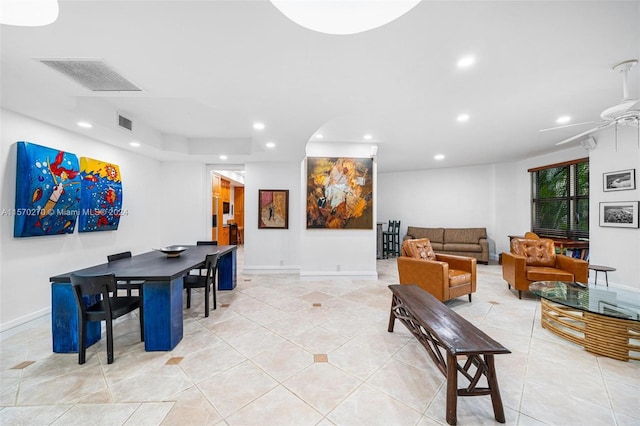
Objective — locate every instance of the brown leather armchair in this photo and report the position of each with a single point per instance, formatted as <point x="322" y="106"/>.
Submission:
<point x="442" y="275"/>
<point x="536" y="260"/>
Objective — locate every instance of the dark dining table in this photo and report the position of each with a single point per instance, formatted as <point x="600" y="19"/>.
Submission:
<point x="162" y="294"/>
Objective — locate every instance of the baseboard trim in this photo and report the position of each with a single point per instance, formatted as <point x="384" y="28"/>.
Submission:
<point x="255" y="270"/>
<point x="19" y="324"/>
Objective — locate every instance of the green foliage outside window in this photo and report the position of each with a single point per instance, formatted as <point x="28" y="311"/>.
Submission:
<point x="560" y="202"/>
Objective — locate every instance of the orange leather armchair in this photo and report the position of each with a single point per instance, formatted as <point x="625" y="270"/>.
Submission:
<point x="536" y="260"/>
<point x="442" y="275"/>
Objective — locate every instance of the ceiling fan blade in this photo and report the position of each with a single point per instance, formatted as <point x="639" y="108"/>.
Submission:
<point x="570" y="125"/>
<point x="580" y="135"/>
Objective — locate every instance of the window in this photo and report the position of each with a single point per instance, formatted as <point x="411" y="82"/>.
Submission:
<point x="560" y="200"/>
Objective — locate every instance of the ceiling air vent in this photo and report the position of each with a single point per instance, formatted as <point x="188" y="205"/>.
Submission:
<point x="93" y="74"/>
<point x="125" y="123"/>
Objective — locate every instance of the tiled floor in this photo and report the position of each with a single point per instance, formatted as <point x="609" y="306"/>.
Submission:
<point x="284" y="350"/>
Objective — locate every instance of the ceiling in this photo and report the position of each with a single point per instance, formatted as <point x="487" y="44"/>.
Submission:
<point x="209" y="69"/>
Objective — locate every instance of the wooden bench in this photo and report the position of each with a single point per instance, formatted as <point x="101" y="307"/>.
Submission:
<point x="446" y="335"/>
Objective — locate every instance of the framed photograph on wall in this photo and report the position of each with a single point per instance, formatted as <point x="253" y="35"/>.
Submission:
<point x="619" y="181"/>
<point x="619" y="214"/>
<point x="273" y="209"/>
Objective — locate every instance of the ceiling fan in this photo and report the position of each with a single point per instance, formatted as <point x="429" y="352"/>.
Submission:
<point x="626" y="112"/>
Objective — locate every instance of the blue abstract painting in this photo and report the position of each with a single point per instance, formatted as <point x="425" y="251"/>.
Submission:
<point x="101" y="200"/>
<point x="47" y="191"/>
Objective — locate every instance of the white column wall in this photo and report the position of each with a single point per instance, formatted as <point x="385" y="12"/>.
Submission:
<point x="271" y="250"/>
<point x="185" y="199"/>
<point x="338" y="252"/>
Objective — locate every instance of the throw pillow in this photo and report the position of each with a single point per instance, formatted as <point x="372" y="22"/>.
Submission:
<point x="419" y="249"/>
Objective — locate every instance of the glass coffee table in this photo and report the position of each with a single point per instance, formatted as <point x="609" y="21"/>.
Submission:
<point x="603" y="320"/>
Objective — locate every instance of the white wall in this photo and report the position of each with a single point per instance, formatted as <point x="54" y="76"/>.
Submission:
<point x="461" y="197"/>
<point x="163" y="202"/>
<point x="615" y="247"/>
<point x="271" y="250"/>
<point x="298" y="250"/>
<point x="332" y="251"/>
<point x="185" y="201"/>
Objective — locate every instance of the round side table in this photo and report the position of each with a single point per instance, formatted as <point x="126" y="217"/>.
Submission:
<point x="600" y="268"/>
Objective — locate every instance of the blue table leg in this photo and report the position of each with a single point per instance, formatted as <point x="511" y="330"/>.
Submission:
<point x="64" y="320"/>
<point x="227" y="274"/>
<point x="162" y="314"/>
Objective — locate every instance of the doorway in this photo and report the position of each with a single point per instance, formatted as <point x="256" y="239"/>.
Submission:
<point x="227" y="206"/>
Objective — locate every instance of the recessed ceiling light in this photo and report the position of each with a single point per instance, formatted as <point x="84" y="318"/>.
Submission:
<point x="319" y="136"/>
<point x="270" y="145"/>
<point x="465" y="62"/>
<point x="367" y="137"/>
<point x="85" y="124"/>
<point x="258" y="126"/>
<point x="223" y="157"/>
<point x="439" y="157"/>
<point x="134" y="144"/>
<point x="463" y="117"/>
<point x="563" y="120"/>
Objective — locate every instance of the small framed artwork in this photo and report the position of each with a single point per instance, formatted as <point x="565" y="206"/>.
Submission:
<point x="273" y="209"/>
<point x="619" y="181"/>
<point x="619" y="214"/>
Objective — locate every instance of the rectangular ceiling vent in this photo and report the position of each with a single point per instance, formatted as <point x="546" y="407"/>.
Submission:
<point x="93" y="74"/>
<point x="125" y="123"/>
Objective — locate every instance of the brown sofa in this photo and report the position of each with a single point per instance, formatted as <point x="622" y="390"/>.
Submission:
<point x="444" y="276"/>
<point x="470" y="242"/>
<point x="536" y="260"/>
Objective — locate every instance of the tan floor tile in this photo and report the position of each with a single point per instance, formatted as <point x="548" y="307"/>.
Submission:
<point x="32" y="415"/>
<point x="320" y="358"/>
<point x="267" y="315"/>
<point x="369" y="406"/>
<point x="23" y="364"/>
<point x="625" y="398"/>
<point x="545" y="380"/>
<point x="160" y="384"/>
<point x="383" y="341"/>
<point x="322" y="386"/>
<point x="344" y="325"/>
<point x="225" y="392"/>
<point x="357" y="360"/>
<point x="546" y="401"/>
<point x="107" y="413"/>
<point x="150" y="413"/>
<point x="216" y="358"/>
<point x="280" y="407"/>
<point x="408" y="384"/>
<point x="191" y="407"/>
<point x="283" y="360"/>
<point x="316" y="297"/>
<point x="319" y="340"/>
<point x="289" y="327"/>
<point x="254" y="342"/>
<point x="233" y="326"/>
<point x="68" y="388"/>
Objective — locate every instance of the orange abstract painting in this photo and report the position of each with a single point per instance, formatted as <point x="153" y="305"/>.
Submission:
<point x="340" y="193"/>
